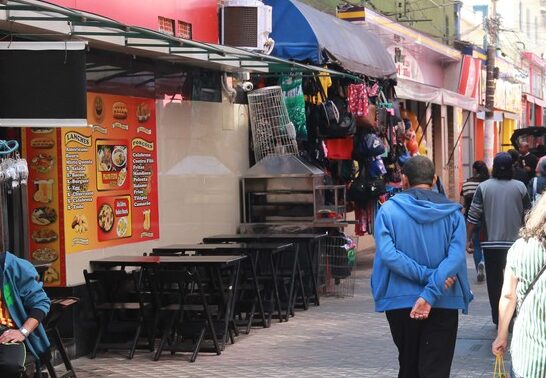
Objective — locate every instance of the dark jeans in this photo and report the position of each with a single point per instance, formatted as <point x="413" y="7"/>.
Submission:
<point x="425" y="347"/>
<point x="495" y="262"/>
<point x="12" y="360"/>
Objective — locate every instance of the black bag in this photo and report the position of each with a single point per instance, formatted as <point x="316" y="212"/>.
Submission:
<point x="376" y="187"/>
<point x="334" y="119"/>
<point x="358" y="192"/>
<point x="367" y="145"/>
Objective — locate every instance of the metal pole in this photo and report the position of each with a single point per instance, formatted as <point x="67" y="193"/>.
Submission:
<point x="489" y="128"/>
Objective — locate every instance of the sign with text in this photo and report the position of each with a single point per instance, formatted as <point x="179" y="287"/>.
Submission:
<point x="110" y="175"/>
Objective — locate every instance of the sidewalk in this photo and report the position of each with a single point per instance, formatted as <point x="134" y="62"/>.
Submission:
<point x="341" y="338"/>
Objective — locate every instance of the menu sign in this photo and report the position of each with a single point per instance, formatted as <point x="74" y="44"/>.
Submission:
<point x="110" y="175"/>
<point x="40" y="147"/>
<point x="93" y="188"/>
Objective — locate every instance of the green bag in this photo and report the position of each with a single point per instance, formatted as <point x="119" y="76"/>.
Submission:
<point x="295" y="103"/>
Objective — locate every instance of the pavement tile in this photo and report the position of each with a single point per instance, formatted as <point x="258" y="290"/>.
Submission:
<point x="343" y="337"/>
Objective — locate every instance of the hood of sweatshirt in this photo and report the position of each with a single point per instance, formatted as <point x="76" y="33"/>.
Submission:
<point x="425" y="206"/>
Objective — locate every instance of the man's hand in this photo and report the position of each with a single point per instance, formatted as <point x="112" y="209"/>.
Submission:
<point x="12" y="336"/>
<point x="420" y="310"/>
<point x="499" y="346"/>
<point x="449" y="282"/>
<point x="470" y="247"/>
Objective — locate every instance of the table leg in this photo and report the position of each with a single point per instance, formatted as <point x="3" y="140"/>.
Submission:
<point x="311" y="251"/>
<point x="274" y="268"/>
<point x="257" y="288"/>
<point x="292" y="281"/>
<point x="208" y="321"/>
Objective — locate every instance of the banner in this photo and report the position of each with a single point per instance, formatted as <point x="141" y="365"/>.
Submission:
<point x="469" y="79"/>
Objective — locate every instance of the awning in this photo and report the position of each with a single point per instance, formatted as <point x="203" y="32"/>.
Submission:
<point x="535" y="100"/>
<point x="412" y="90"/>
<point x="305" y="34"/>
<point x="36" y="20"/>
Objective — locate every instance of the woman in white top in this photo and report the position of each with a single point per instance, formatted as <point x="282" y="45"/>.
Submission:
<point x="524" y="265"/>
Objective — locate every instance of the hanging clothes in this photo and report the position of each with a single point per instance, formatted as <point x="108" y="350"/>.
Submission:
<point x="358" y="100"/>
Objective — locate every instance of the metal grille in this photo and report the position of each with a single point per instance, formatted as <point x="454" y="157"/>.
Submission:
<point x="241" y="26"/>
<point x="272" y="131"/>
<point x="166" y="25"/>
<point x="184" y="29"/>
<point x="337" y="269"/>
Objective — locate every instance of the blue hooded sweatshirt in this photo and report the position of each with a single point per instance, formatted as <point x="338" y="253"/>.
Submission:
<point x="420" y="241"/>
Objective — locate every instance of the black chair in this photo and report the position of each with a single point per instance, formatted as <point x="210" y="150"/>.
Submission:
<point x="118" y="306"/>
<point x="180" y="296"/>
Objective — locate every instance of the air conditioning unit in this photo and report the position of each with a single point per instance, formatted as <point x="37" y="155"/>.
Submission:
<point x="246" y="24"/>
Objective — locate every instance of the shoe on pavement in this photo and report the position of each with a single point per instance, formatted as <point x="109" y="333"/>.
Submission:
<point x="481" y="272"/>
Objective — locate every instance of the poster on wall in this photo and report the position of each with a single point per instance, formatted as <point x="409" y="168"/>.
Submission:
<point x="40" y="147"/>
<point x="95" y="187"/>
<point x="110" y="175"/>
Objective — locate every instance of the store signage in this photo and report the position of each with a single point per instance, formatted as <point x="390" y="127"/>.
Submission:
<point x="407" y="66"/>
<point x="469" y="79"/>
<point x="351" y="13"/>
<point x="94" y="188"/>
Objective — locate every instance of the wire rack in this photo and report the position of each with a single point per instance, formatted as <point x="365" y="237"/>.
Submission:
<point x="337" y="269"/>
<point x="272" y="131"/>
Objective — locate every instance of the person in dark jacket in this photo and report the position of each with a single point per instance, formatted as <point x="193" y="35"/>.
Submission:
<point x="23" y="306"/>
<point x="528" y="160"/>
<point x="499" y="205"/>
<point x="538" y="184"/>
<point x="519" y="173"/>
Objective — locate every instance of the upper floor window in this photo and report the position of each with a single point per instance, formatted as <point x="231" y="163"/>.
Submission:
<point x="166" y="25"/>
<point x="184" y="30"/>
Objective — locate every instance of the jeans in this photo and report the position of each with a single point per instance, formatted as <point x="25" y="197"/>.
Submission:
<point x="478" y="253"/>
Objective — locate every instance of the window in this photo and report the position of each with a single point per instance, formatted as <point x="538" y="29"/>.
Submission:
<point x="184" y="30"/>
<point x="520" y="16"/>
<point x="528" y="14"/>
<point x="166" y="25"/>
<point x="535" y="26"/>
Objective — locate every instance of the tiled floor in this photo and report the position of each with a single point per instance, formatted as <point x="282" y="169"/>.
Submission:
<point x="341" y="338"/>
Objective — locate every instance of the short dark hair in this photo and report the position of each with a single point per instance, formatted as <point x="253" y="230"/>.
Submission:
<point x="502" y="174"/>
<point x="419" y="170"/>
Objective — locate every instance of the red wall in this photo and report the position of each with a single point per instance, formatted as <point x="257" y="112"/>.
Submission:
<point x="202" y="14"/>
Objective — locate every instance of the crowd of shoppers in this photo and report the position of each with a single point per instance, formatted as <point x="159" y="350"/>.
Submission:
<point x="419" y="276"/>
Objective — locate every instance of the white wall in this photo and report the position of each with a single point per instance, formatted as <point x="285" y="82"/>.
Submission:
<point x="202" y="152"/>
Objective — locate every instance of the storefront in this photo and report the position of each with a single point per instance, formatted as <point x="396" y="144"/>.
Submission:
<point x="427" y="85"/>
<point x="533" y="90"/>
<point x="160" y="154"/>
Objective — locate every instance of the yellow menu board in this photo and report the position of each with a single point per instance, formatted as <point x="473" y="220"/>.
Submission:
<point x="95" y="187"/>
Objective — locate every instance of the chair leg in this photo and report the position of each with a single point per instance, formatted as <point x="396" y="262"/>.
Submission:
<point x="50" y="369"/>
<point x="164" y="337"/>
<point x="102" y="326"/>
<point x="135" y="341"/>
<point x="62" y="351"/>
<point x="198" y="344"/>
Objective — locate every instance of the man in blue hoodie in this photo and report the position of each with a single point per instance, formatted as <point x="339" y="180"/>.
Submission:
<point x="419" y="275"/>
<point x="23" y="306"/>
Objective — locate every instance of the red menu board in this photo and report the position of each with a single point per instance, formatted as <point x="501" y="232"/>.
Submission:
<point x="94" y="187"/>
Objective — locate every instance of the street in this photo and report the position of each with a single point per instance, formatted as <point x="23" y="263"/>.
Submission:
<point x="343" y="337"/>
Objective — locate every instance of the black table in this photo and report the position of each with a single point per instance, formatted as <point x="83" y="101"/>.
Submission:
<point x="209" y="263"/>
<point x="252" y="251"/>
<point x="305" y="241"/>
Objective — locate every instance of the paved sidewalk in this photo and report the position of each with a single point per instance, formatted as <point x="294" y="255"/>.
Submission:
<point x="341" y="338"/>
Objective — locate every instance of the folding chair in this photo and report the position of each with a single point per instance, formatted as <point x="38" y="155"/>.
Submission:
<point x="110" y="292"/>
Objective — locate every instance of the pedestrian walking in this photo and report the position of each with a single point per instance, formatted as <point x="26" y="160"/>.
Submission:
<point x="498" y="206"/>
<point x="537" y="185"/>
<point x="525" y="288"/>
<point x="419" y="276"/>
<point x="480" y="173"/>
<point x="519" y="172"/>
<point x="528" y="160"/>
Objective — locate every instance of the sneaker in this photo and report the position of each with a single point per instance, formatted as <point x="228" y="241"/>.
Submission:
<point x="481" y="272"/>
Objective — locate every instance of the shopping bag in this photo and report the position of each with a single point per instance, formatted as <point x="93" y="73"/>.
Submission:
<point x="499" y="369"/>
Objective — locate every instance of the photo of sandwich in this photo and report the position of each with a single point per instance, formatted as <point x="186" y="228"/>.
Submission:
<point x="42" y="143"/>
<point x="119" y="110"/>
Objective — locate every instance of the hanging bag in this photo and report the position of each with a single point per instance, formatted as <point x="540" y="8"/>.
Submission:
<point x="334" y="119"/>
<point x="499" y="370"/>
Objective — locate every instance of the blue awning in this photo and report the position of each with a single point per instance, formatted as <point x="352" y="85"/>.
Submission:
<point x="303" y="33"/>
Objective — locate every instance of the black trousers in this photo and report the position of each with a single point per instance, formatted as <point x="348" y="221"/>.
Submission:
<point x="495" y="262"/>
<point x="425" y="347"/>
<point x="12" y="360"/>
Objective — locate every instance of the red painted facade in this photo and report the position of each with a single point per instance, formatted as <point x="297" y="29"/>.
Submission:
<point x="202" y="14"/>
